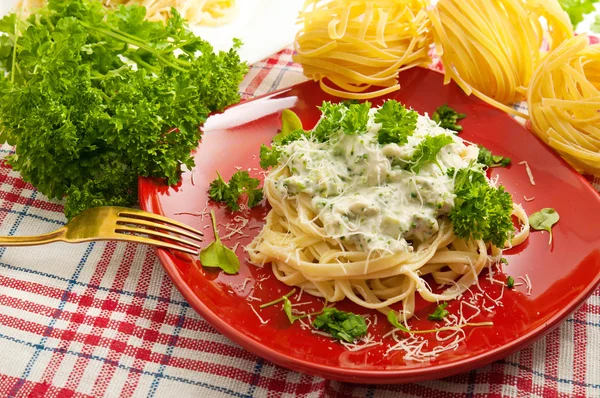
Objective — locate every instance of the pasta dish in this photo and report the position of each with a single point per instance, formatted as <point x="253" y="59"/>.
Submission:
<point x="374" y="202"/>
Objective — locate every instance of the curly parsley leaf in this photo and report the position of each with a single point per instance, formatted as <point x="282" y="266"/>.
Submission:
<point x="487" y="158"/>
<point x="397" y="123"/>
<point x="341" y="325"/>
<point x="330" y="122"/>
<point x="480" y="210"/>
<point x="74" y="108"/>
<point x="440" y="313"/>
<point x="427" y="151"/>
<point x="218" y="255"/>
<point x="576" y="9"/>
<point x="448" y="118"/>
<point x="269" y="157"/>
<point x="355" y="119"/>
<point x="230" y="192"/>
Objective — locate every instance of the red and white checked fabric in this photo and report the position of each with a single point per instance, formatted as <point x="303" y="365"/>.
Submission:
<point x="103" y="319"/>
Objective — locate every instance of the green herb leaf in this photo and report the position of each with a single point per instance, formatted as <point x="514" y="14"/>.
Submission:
<point x="448" y="118"/>
<point x="341" y="325"/>
<point x="439" y="313"/>
<point x="330" y="122"/>
<point x="218" y="255"/>
<point x="480" y="210"/>
<point x="510" y="282"/>
<point x="229" y="193"/>
<point x="488" y="159"/>
<point x="577" y="9"/>
<point x="76" y="111"/>
<point x="397" y="123"/>
<point x="393" y="320"/>
<point x="287" y="308"/>
<point x="504" y="261"/>
<point x="290" y="124"/>
<point x="356" y="118"/>
<point x="427" y="151"/>
<point x="269" y="157"/>
<point x="543" y="220"/>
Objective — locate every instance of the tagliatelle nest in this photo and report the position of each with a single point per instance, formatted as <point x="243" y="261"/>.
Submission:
<point x="352" y="46"/>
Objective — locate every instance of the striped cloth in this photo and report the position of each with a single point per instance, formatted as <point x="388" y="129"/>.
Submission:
<point x="103" y="319"/>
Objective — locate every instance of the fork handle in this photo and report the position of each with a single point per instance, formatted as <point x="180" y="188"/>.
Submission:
<point x="33" y="240"/>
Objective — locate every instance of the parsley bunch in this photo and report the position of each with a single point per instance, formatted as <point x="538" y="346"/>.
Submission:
<point x="86" y="122"/>
<point x="480" y="210"/>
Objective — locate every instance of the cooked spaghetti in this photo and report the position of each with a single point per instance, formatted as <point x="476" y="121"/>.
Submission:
<point x="564" y="99"/>
<point x="350" y="47"/>
<point x="372" y="201"/>
<point x="491" y="48"/>
<point x="196" y="12"/>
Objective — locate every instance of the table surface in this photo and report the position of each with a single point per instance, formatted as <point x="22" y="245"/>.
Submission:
<point x="103" y="319"/>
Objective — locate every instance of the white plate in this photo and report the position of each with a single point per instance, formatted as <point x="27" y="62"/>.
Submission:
<point x="264" y="26"/>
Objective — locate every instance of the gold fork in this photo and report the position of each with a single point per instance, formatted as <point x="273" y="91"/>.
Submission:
<point x="117" y="223"/>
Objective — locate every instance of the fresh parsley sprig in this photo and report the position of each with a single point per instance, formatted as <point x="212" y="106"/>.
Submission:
<point x="448" y="118"/>
<point x="341" y="325"/>
<point x="230" y="192"/>
<point x="427" y="151"/>
<point x="480" y="210"/>
<point x="397" y="123"/>
<point x="487" y="158"/>
<point x="440" y="313"/>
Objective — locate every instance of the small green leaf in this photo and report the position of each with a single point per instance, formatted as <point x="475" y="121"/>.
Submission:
<point x="290" y="122"/>
<point x="393" y="319"/>
<point x="448" y="118"/>
<point x="341" y="325"/>
<point x="287" y="308"/>
<point x="218" y="255"/>
<point x="543" y="220"/>
<point x="504" y="261"/>
<point x="510" y="282"/>
<point x="486" y="157"/>
<point x="439" y="313"/>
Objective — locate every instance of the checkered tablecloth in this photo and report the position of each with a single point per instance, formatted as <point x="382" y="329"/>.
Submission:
<point x="103" y="319"/>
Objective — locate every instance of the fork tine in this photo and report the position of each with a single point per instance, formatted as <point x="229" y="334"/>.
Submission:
<point x="140" y="214"/>
<point x="125" y="228"/>
<point x="158" y="243"/>
<point x="138" y="221"/>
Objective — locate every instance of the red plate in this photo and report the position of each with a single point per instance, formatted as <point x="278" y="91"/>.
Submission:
<point x="562" y="275"/>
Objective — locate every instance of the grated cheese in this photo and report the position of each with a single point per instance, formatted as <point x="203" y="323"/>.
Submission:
<point x="528" y="199"/>
<point x="529" y="173"/>
<point x="259" y="317"/>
